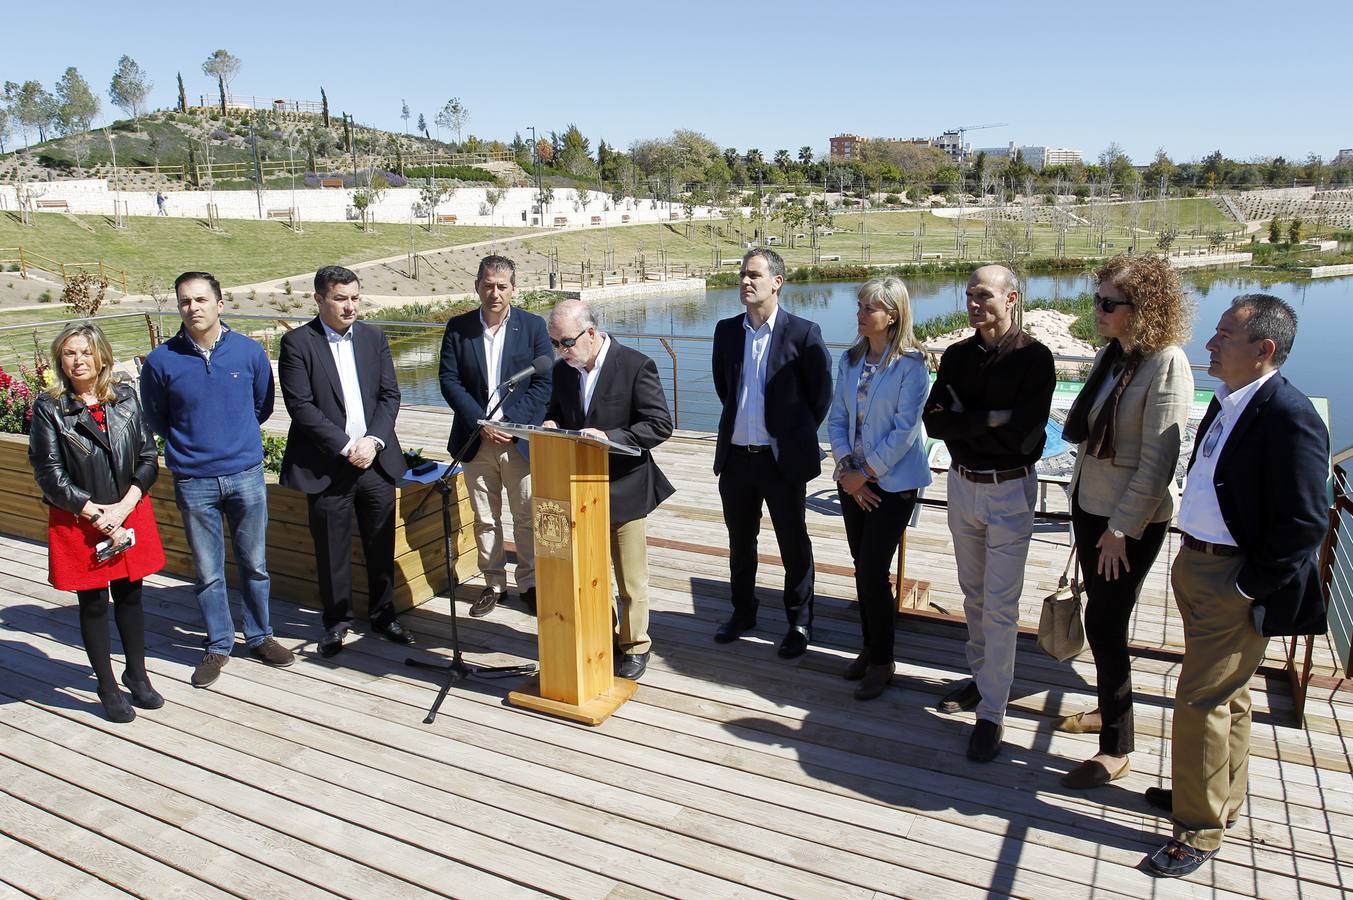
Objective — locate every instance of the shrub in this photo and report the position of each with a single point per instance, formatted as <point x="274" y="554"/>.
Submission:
<point x="219" y="134"/>
<point x="17" y="393"/>
<point x="460" y="173"/>
<point x="892" y="199"/>
<point x="45" y="297"/>
<point x="274" y="447"/>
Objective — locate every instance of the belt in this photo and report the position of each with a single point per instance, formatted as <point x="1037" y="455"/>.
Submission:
<point x="993" y="477"/>
<point x="1210" y="549"/>
<point x="751" y="448"/>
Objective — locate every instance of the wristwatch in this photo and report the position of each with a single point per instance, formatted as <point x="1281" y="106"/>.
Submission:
<point x="1118" y="534"/>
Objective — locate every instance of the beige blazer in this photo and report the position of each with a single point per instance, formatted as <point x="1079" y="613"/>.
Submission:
<point x="1137" y="486"/>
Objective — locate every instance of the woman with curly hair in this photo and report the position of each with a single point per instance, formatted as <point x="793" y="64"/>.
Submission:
<point x="1128" y="423"/>
<point x="94" y="458"/>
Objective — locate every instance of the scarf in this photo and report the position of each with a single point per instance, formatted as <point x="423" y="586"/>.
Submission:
<point x="1099" y="437"/>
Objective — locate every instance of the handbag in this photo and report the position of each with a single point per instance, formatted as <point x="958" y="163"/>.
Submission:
<point x="1061" y="633"/>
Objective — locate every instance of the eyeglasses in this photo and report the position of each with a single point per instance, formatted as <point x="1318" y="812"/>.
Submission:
<point x="1109" y="304"/>
<point x="567" y="343"/>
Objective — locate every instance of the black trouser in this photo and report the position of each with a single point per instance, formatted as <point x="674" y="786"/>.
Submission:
<point x="373" y="498"/>
<point x="1108" y="611"/>
<point x="873" y="536"/>
<point x="131" y="627"/>
<point x="748" y="480"/>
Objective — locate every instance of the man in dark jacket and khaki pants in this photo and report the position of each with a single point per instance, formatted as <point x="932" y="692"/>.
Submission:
<point x="1254" y="513"/>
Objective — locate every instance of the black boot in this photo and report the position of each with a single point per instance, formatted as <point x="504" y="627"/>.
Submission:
<point x="143" y="695"/>
<point x="116" y="707"/>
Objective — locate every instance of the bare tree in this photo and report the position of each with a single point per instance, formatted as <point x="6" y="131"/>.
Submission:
<point x="494" y="197"/>
<point x="405" y="114"/>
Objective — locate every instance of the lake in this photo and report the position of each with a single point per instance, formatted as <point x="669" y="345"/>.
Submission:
<point x="1313" y="366"/>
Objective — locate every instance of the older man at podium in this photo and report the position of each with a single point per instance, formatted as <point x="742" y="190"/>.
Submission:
<point x="606" y="389"/>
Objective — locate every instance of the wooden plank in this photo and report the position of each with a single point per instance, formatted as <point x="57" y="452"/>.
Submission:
<point x="31" y="873"/>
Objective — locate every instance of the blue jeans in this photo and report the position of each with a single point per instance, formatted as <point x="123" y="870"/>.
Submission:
<point x="243" y="499"/>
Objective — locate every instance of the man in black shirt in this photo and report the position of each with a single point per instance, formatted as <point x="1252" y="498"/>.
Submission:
<point x="990" y="406"/>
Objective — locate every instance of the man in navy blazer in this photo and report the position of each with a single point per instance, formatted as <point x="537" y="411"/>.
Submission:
<point x="609" y="390"/>
<point x="338" y="383"/>
<point x="480" y="350"/>
<point x="772" y="373"/>
<point x="1253" y="514"/>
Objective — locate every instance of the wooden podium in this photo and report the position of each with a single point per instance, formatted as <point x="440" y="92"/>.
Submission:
<point x="571" y="514"/>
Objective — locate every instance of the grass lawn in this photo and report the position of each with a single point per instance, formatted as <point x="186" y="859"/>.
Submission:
<point x="891" y="238"/>
<point x="246" y="253"/>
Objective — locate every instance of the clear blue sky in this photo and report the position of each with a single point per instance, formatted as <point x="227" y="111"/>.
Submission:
<point x="1250" y="78"/>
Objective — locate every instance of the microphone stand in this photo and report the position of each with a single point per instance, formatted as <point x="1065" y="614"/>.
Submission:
<point x="457" y="669"/>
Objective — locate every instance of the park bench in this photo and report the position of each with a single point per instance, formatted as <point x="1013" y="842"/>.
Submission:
<point x="54" y="204"/>
<point x="281" y="214"/>
<point x="560" y="221"/>
<point x="674" y="215"/>
<point x="732" y="261"/>
<point x="446" y="218"/>
<point x="596" y="220"/>
<point x="830" y="257"/>
<point x="624" y="220"/>
<point x="932" y="256"/>
<point x="772" y="240"/>
<point x="331" y="182"/>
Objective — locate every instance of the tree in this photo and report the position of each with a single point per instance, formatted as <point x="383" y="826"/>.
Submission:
<point x="31" y="107"/>
<point x="545" y="196"/>
<point x="1116" y="165"/>
<point x="405" y="115"/>
<point x="76" y="108"/>
<point x="324" y="106"/>
<point x="1275" y="231"/>
<point x="220" y="86"/>
<point x="1294" y="231"/>
<point x="4" y="127"/>
<point x="423" y="125"/>
<point x="1161" y="168"/>
<point x="494" y="197"/>
<point x="183" y="96"/>
<point x="76" y="104"/>
<point x="1165" y="239"/>
<point x="806" y="155"/>
<point x="221" y="65"/>
<point x="129" y="87"/>
<point x="783" y="160"/>
<point x="460" y="116"/>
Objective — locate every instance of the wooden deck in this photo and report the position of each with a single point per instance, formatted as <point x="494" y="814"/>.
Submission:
<point x="731" y="773"/>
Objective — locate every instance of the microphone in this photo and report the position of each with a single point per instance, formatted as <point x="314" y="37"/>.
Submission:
<point x="539" y="366"/>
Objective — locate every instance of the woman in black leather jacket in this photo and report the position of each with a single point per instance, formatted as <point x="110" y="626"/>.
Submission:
<point x="94" y="458"/>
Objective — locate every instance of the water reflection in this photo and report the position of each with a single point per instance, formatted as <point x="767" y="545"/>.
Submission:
<point x="1314" y="365"/>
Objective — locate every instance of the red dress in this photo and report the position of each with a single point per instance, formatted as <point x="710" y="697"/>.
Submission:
<point x="71" y="541"/>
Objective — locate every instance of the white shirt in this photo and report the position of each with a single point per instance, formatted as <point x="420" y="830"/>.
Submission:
<point x="346" y="360"/>
<point x="494" y="339"/>
<point x="749" y="424"/>
<point x="587" y="381"/>
<point x="1199" y="512"/>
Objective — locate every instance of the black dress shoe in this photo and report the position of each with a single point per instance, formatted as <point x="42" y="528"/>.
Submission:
<point x="116" y="707"/>
<point x="143" y="695"/>
<point x="488" y="599"/>
<point x="528" y="600"/>
<point x="985" y="742"/>
<point x="966" y="697"/>
<point x="1163" y="800"/>
<point x="795" y="642"/>
<point x="733" y="629"/>
<point x="332" y="642"/>
<point x="396" y="632"/>
<point x="856" y="669"/>
<point x="632" y="666"/>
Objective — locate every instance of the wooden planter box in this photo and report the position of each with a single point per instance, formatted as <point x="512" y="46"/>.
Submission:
<point x="420" y="571"/>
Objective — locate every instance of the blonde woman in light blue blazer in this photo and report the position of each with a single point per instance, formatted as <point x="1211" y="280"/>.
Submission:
<point x="879" y="447"/>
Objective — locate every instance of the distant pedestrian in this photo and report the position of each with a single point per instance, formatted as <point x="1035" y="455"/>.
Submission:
<point x="159" y="203"/>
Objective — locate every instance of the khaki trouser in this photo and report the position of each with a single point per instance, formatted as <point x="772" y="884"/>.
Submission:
<point x="629" y="558"/>
<point x="495" y="468"/>
<point x="1211" y="736"/>
<point x="991" y="525"/>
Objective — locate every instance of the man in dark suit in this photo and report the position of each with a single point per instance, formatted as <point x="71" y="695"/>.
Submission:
<point x="772" y="373"/>
<point x="338" y="383"/>
<point x="480" y="350"/>
<point x="603" y="388"/>
<point x="1254" y="513"/>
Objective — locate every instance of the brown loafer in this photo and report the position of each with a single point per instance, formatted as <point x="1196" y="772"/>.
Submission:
<point x="1092" y="774"/>
<point x="1078" y="724"/>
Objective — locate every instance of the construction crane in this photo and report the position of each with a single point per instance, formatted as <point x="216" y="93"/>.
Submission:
<point x="964" y="129"/>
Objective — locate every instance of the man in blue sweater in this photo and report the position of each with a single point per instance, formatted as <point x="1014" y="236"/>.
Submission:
<point x="205" y="391"/>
